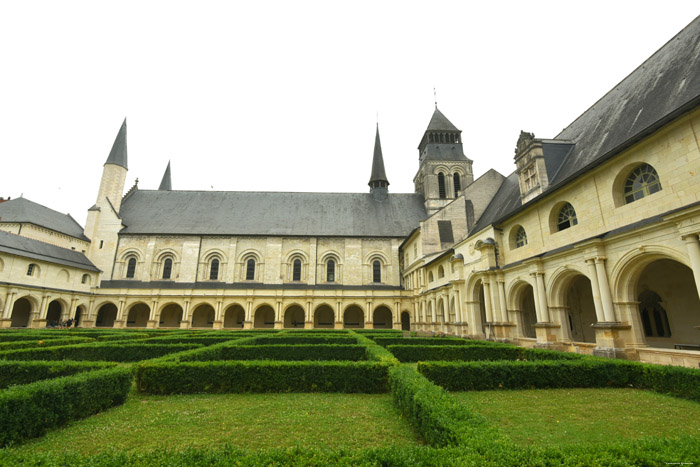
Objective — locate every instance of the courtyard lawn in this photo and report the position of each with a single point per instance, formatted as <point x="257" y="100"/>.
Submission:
<point x="251" y="421"/>
<point x="548" y="417"/>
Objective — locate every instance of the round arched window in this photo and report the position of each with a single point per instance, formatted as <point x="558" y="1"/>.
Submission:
<point x="641" y="182"/>
<point x="566" y="217"/>
<point x="520" y="237"/>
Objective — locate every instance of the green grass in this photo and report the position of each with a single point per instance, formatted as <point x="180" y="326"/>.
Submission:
<point x="547" y="417"/>
<point x="251" y="421"/>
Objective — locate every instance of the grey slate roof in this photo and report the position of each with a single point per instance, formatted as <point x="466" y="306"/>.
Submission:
<point x="378" y="173"/>
<point x="166" y="184"/>
<point x="23" y="210"/>
<point x="30" y="248"/>
<point x="438" y="122"/>
<point x="271" y="213"/>
<point x="664" y="86"/>
<point x="117" y="155"/>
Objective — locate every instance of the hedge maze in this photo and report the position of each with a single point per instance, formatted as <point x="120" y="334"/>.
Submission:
<point x="50" y="378"/>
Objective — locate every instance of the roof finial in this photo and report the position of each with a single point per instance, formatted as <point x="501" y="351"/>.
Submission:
<point x="435" y="96"/>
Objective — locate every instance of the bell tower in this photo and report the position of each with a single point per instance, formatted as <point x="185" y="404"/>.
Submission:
<point x="443" y="171"/>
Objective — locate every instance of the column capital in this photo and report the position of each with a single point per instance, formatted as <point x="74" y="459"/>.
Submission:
<point x="690" y="238"/>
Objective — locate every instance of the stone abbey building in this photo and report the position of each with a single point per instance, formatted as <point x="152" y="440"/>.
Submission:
<point x="590" y="245"/>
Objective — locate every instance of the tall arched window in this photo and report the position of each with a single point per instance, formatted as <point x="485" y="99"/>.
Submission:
<point x="376" y="271"/>
<point x="85" y="279"/>
<point x="654" y="317"/>
<point x="214" y="270"/>
<point x="441" y="186"/>
<point x="457" y="183"/>
<point x="250" y="270"/>
<point x="167" y="268"/>
<point x="131" y="268"/>
<point x="566" y="217"/>
<point x="296" y="270"/>
<point x="642" y="181"/>
<point x="30" y="269"/>
<point x="330" y="271"/>
<point x="441" y="272"/>
<point x="520" y="237"/>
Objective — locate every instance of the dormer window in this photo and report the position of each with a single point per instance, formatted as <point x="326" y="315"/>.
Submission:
<point x="530" y="177"/>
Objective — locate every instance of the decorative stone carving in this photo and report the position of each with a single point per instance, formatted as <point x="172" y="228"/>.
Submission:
<point x="524" y="141"/>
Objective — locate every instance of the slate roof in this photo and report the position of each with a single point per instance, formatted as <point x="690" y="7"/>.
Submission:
<point x="378" y="172"/>
<point x="30" y="248"/>
<point x="23" y="210"/>
<point x="662" y="88"/>
<point x="118" y="155"/>
<point x="166" y="183"/>
<point x="271" y="213"/>
<point x="438" y="122"/>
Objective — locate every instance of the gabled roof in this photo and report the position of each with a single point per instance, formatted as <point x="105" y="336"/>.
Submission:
<point x="438" y="122"/>
<point x="378" y="173"/>
<point x="664" y="87"/>
<point x="34" y="249"/>
<point x="166" y="184"/>
<point x="117" y="155"/>
<point x="25" y="211"/>
<point x="271" y="213"/>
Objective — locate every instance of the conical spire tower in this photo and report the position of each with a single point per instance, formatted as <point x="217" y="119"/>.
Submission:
<point x="166" y="183"/>
<point x="118" y="154"/>
<point x="378" y="178"/>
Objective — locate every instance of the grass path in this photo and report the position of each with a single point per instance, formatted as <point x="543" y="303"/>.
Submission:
<point x="252" y="421"/>
<point x="590" y="416"/>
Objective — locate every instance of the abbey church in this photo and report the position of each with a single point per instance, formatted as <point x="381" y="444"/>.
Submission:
<point x="590" y="245"/>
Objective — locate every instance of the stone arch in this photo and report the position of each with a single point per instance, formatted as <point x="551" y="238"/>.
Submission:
<point x="440" y="311"/>
<point x="54" y="312"/>
<point x="63" y="276"/>
<point x="106" y="315"/>
<point x="353" y="317"/>
<point x="521" y="297"/>
<point x="452" y="313"/>
<point x="294" y="316"/>
<point x="138" y="315"/>
<point x="382" y="318"/>
<point x="203" y="316"/>
<point x="210" y="268"/>
<point x="405" y="321"/>
<point x="170" y="315"/>
<point x="234" y="316"/>
<point x="571" y="290"/>
<point x="324" y="316"/>
<point x="21" y="312"/>
<point x="429" y="312"/>
<point x="337" y="260"/>
<point x="559" y="282"/>
<point x="264" y="317"/>
<point x="80" y="314"/>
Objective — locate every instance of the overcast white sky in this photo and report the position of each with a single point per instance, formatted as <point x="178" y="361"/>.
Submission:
<point x="283" y="96"/>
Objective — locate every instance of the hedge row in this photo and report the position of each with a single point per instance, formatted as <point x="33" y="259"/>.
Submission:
<point x="385" y="341"/>
<point x="588" y="373"/>
<point x="204" y="340"/>
<point x="440" y="420"/>
<point x="293" y="352"/>
<point x="30" y="410"/>
<point x="261" y="376"/>
<point x="378" y="331"/>
<point x="376" y="353"/>
<point x="98" y="352"/>
<point x="296" y="340"/>
<point x="14" y="373"/>
<point x="43" y="343"/>
<point x="448" y="353"/>
<point x="125" y="335"/>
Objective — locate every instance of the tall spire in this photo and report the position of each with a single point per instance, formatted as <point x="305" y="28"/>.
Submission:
<point x="117" y="155"/>
<point x="166" y="184"/>
<point x="378" y="178"/>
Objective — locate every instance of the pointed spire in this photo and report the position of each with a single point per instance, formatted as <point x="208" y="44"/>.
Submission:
<point x="438" y="122"/>
<point x="166" y="184"/>
<point x="117" y="155"/>
<point x="378" y="177"/>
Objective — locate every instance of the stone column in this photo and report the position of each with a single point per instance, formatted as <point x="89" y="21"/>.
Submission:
<point x="368" y="317"/>
<point x="605" y="295"/>
<point x="502" y="299"/>
<point x="185" y="323"/>
<point x="595" y="288"/>
<point x="6" y="321"/>
<point x="487" y="302"/>
<point x="218" y="319"/>
<point x="691" y="242"/>
<point x="338" y="316"/>
<point x="248" y="322"/>
<point x="542" y="297"/>
<point x="153" y="316"/>
<point x="495" y="305"/>
<point x="308" y="317"/>
<point x="397" y="316"/>
<point x="279" y="324"/>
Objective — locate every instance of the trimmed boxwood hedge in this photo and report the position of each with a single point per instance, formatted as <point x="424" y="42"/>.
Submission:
<point x="30" y="410"/>
<point x="385" y="341"/>
<point x="295" y="340"/>
<point x="417" y="353"/>
<point x="108" y="352"/>
<point x="585" y="373"/>
<point x="28" y="344"/>
<point x="261" y="376"/>
<point x="204" y="340"/>
<point x="293" y="352"/>
<point x="14" y="372"/>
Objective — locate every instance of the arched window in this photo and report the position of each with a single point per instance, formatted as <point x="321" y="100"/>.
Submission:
<point x="214" y="270"/>
<point x="85" y="279"/>
<point x="520" y="237"/>
<point x="131" y="268"/>
<point x="250" y="270"/>
<point x="431" y="278"/>
<point x="30" y="269"/>
<point x="376" y="271"/>
<point x="441" y="186"/>
<point x="296" y="270"/>
<point x="167" y="268"/>
<point x="330" y="271"/>
<point x="654" y="318"/>
<point x="457" y="183"/>
<point x="566" y="217"/>
<point x="642" y="181"/>
<point x="441" y="272"/>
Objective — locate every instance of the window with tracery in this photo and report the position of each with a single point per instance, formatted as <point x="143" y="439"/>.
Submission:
<point x="214" y="270"/>
<point x="520" y="237"/>
<point x="566" y="217"/>
<point x="642" y="181"/>
<point x="653" y="314"/>
<point x="30" y="269"/>
<point x="330" y="271"/>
